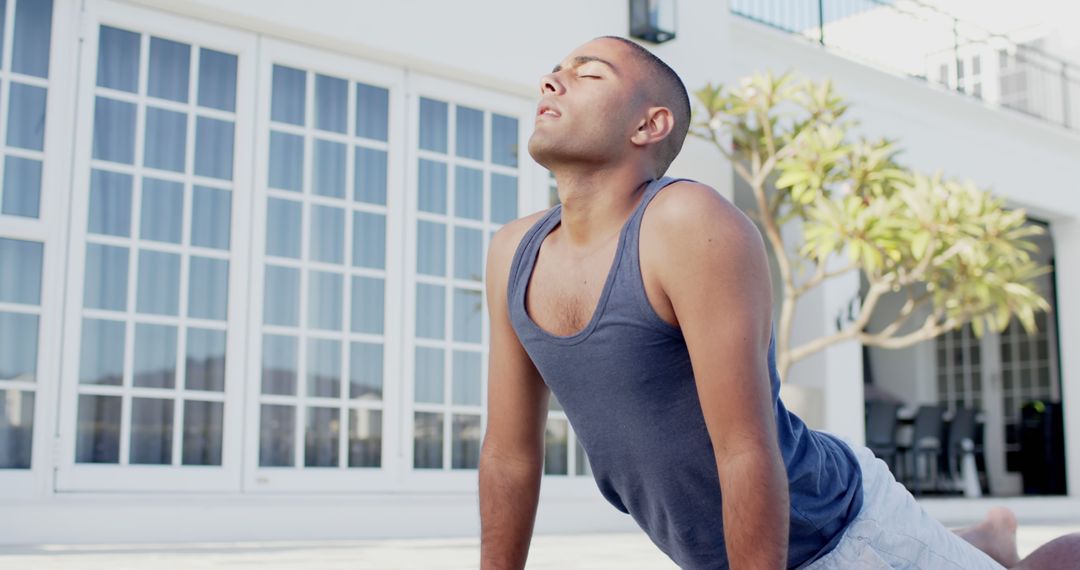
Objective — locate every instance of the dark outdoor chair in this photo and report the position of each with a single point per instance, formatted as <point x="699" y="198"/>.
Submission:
<point x="926" y="441"/>
<point x="962" y="441"/>
<point x="881" y="431"/>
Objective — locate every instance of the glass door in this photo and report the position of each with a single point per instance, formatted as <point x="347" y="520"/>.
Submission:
<point x="158" y="251"/>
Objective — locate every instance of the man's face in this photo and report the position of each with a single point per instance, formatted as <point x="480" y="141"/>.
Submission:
<point x="589" y="105"/>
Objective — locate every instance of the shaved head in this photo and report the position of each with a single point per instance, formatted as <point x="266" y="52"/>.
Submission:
<point x="667" y="88"/>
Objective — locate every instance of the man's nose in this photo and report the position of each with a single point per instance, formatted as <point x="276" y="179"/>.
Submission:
<point x="550" y="84"/>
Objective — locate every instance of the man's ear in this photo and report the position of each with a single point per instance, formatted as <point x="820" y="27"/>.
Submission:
<point x="654" y="127"/>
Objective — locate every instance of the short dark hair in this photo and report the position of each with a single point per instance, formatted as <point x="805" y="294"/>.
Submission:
<point x="672" y="94"/>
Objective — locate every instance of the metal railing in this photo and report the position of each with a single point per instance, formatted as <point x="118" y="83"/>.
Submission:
<point x="921" y="41"/>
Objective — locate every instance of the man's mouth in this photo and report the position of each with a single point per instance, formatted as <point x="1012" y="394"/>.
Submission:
<point x="547" y="111"/>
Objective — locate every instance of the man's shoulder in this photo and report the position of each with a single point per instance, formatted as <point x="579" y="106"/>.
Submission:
<point x="688" y="210"/>
<point x="505" y="241"/>
<point x="509" y="235"/>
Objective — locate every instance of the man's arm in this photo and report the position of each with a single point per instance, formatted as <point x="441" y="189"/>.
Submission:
<point x="715" y="273"/>
<point x="512" y="455"/>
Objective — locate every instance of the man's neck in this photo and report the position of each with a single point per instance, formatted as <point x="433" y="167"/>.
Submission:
<point x="596" y="203"/>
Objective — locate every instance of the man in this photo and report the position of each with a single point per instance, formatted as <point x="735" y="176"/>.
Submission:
<point x="648" y="314"/>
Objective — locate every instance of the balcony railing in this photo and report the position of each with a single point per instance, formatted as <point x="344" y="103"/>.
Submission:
<point x="921" y="41"/>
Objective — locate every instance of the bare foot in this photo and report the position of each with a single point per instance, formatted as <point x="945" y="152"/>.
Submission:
<point x="995" y="535"/>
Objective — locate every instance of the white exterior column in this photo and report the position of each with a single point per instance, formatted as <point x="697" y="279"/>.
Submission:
<point x="1066" y="236"/>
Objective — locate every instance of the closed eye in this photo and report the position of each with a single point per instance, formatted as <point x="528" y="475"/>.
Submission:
<point x="591" y="76"/>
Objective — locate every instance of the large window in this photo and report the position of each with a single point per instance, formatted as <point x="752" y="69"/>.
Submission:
<point x="322" y="401"/>
<point x="157" y="255"/>
<point x="467" y="175"/>
<point x="25" y="39"/>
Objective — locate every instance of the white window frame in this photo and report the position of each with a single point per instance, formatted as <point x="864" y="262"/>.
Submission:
<point x="71" y="476"/>
<point x="533" y="186"/>
<point x="326" y="479"/>
<point x="49" y="229"/>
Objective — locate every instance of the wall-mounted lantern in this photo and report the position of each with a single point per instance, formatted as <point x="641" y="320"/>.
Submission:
<point x="652" y="20"/>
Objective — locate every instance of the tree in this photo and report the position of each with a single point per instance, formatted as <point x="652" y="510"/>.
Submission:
<point x="787" y="138"/>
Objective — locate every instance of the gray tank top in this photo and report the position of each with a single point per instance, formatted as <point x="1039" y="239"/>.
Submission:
<point x="627" y="386"/>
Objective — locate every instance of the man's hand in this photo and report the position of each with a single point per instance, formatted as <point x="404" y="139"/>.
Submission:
<point x="711" y="263"/>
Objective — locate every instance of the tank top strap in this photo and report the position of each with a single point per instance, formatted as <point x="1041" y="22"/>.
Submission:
<point x="525" y="255"/>
<point x="633" y="230"/>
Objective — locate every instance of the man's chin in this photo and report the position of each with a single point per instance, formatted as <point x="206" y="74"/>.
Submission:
<point x="544" y="153"/>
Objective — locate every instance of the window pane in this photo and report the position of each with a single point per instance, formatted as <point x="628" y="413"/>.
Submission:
<point x="211" y="212"/>
<point x="282" y="296"/>
<point x="466" y="385"/>
<point x="556" y="436"/>
<point x="287" y="101"/>
<point x="331" y="102"/>
<point x="217" y="79"/>
<point x="427" y="445"/>
<point x="467" y="315"/>
<point x="430" y="311"/>
<point x="26" y="117"/>
<point x="203" y="422"/>
<point x="470" y="133"/>
<point x="428" y="387"/>
<point x="433" y="125"/>
<point x="208" y="292"/>
<point x="97" y="438"/>
<point x="18" y="348"/>
<point x="367" y="305"/>
<point x="465" y="447"/>
<point x="102" y="357"/>
<point x="581" y="460"/>
<point x="20" y="271"/>
<point x="468" y="254"/>
<point x="170" y="68"/>
<point x="369" y="240"/>
<point x="370" y="183"/>
<point x="33" y="28"/>
<point x="503" y="198"/>
<point x="276" y="436"/>
<point x="166" y="136"/>
<point x="16" y="428"/>
<point x="324" y="300"/>
<point x="432" y="186"/>
<point x="114" y="130"/>
<point x="327" y="234"/>
<point x="159" y="283"/>
<point x="286" y="161"/>
<point x="213" y="148"/>
<point x="204" y="367"/>
<point x="151" y="431"/>
<point x="155" y="356"/>
<point x="321" y="437"/>
<point x="372" y="112"/>
<point x="328" y="176"/>
<point x="22" y="187"/>
<point x="324" y="368"/>
<point x="283" y="228"/>
<point x="365" y="438"/>
<point x="504" y="140"/>
<point x="118" y="59"/>
<point x="279" y="368"/>
<point x="106" y="277"/>
<point x="162" y="210"/>
<point x="431" y="248"/>
<point x="366" y="371"/>
<point x="468" y="193"/>
<point x="110" y="203"/>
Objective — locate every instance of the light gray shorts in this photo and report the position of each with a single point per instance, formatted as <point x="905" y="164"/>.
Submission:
<point x="893" y="531"/>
